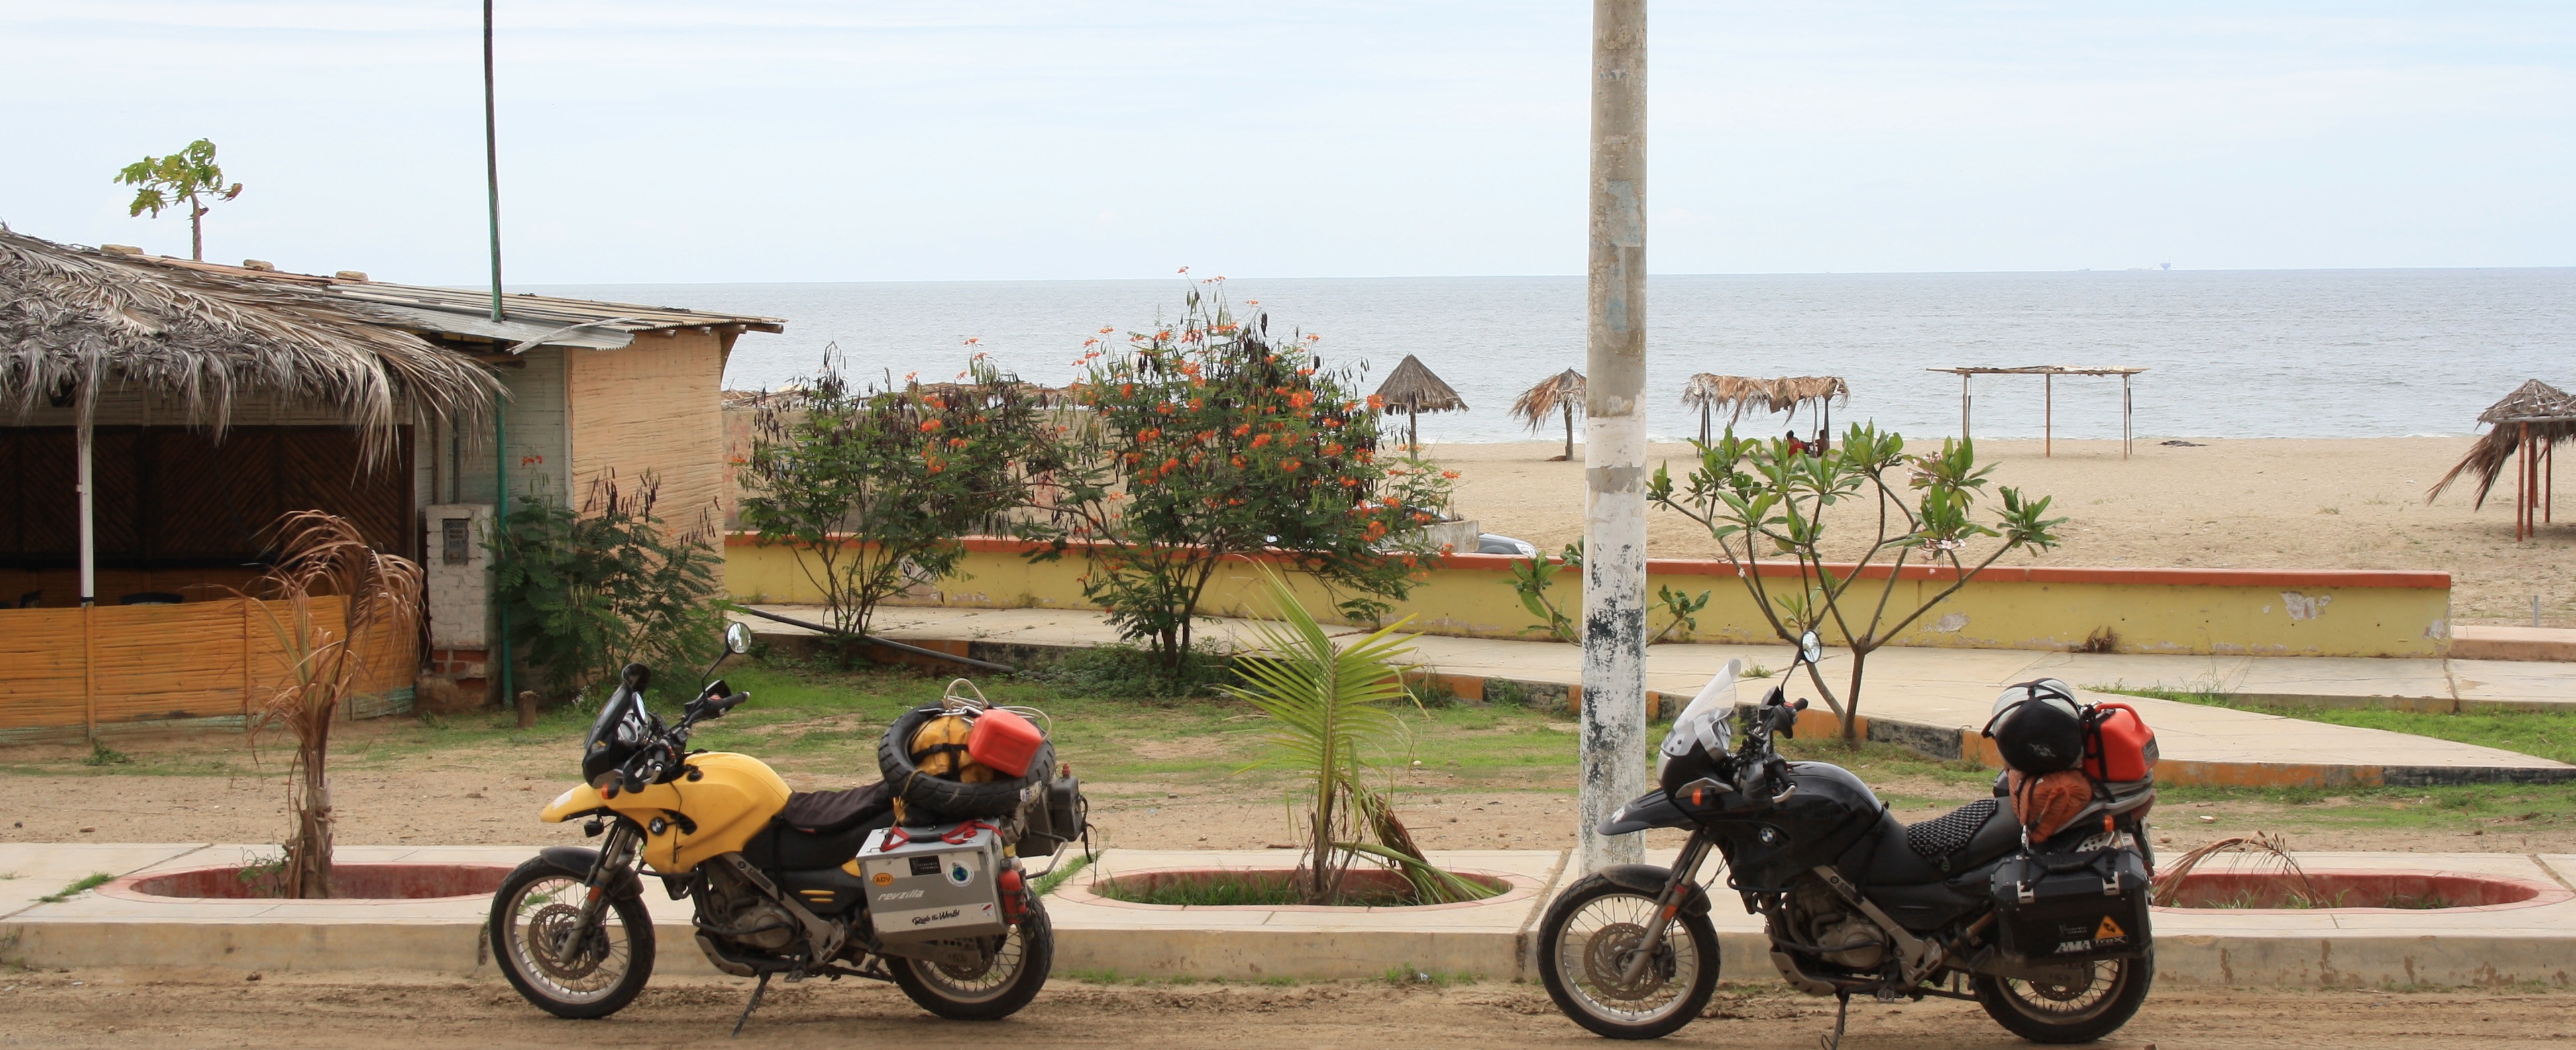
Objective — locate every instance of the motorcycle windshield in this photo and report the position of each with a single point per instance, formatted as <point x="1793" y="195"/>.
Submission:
<point x="622" y="726"/>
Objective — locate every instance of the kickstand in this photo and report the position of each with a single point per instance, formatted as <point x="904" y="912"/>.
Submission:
<point x="1842" y="1009"/>
<point x="763" y="987"/>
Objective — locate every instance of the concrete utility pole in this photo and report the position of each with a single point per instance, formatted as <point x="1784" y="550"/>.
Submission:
<point x="1614" y="453"/>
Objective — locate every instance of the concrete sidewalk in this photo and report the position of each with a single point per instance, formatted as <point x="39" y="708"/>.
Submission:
<point x="2493" y="945"/>
<point x="1934" y="700"/>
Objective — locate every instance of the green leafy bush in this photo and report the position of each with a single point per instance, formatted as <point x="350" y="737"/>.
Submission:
<point x="589" y="592"/>
<point x="873" y="488"/>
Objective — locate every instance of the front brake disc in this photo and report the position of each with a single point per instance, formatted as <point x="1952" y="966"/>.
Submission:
<point x="547" y="930"/>
<point x="1607" y="955"/>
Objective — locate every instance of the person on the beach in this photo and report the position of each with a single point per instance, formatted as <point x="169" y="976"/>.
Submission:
<point x="1822" y="444"/>
<point x="1797" y="445"/>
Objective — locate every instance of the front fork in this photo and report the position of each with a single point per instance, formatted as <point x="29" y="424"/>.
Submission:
<point x="1677" y="891"/>
<point x="616" y="855"/>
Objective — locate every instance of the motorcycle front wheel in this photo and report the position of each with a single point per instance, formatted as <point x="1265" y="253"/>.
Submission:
<point x="2046" y="1012"/>
<point x="990" y="992"/>
<point x="1588" y="945"/>
<point x="532" y="915"/>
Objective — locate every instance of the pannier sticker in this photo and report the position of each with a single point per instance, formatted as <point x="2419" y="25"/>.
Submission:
<point x="959" y="874"/>
<point x="2109" y="931"/>
<point x="885" y="878"/>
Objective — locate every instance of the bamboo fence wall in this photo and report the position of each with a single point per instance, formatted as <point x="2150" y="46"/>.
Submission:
<point x="104" y="665"/>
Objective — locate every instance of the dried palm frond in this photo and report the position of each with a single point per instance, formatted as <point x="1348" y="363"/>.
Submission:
<point x="1413" y="388"/>
<point x="1539" y="402"/>
<point x="2269" y="852"/>
<point x="75" y="324"/>
<point x="322" y="555"/>
<point x="2535" y="409"/>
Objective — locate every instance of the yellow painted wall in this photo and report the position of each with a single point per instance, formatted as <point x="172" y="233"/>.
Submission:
<point x="2145" y="610"/>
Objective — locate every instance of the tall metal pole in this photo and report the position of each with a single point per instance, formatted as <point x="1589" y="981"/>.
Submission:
<point x="1613" y="734"/>
<point x="492" y="159"/>
<point x="500" y="412"/>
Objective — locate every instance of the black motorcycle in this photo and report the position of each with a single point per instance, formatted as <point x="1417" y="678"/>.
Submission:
<point x="2050" y="937"/>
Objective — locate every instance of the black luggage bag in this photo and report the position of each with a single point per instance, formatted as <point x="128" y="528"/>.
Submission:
<point x="2074" y="906"/>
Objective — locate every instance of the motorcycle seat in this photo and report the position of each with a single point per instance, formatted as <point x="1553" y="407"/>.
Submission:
<point x="821" y="829"/>
<point x="833" y="812"/>
<point x="1937" y="849"/>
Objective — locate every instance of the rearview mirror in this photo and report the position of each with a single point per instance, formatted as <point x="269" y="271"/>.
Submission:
<point x="737" y="638"/>
<point x="1811" y="648"/>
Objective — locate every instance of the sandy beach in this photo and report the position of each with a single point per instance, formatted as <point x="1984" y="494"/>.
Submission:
<point x="2354" y="503"/>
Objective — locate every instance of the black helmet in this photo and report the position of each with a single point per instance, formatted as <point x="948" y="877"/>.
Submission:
<point x="2037" y="727"/>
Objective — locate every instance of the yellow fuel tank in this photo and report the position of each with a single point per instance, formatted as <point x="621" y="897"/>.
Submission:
<point x="727" y="798"/>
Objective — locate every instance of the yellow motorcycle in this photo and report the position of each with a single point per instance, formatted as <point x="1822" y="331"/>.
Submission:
<point x="788" y="883"/>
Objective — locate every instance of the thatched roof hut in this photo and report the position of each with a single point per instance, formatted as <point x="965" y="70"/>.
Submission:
<point x="1562" y="392"/>
<point x="1741" y="394"/>
<point x="78" y="324"/>
<point x="2530" y="422"/>
<point x="1413" y="388"/>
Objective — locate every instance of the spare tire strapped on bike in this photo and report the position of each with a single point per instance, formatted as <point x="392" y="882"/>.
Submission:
<point x="932" y="759"/>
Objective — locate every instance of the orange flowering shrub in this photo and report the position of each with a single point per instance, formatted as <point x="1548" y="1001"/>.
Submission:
<point x="1226" y="442"/>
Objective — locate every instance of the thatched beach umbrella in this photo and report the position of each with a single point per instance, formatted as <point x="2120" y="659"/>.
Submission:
<point x="2528" y="423"/>
<point x="1560" y="392"/>
<point x="1414" y="389"/>
<point x="1740" y="394"/>
<point x="76" y="324"/>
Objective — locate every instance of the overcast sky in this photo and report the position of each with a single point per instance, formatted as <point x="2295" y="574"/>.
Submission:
<point x="810" y="140"/>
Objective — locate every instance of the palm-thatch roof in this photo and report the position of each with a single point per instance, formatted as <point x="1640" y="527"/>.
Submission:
<point x="1413" y="388"/>
<point x="1539" y="402"/>
<point x="1741" y="394"/>
<point x="76" y="324"/>
<point x="2535" y="409"/>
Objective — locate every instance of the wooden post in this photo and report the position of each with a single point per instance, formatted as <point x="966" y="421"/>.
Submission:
<point x="2124" y="416"/>
<point x="2048" y="416"/>
<point x="89" y="670"/>
<point x="247" y="680"/>
<point x="1964" y="402"/>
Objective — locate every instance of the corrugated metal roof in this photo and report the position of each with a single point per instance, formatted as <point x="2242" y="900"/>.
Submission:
<point x="465" y="311"/>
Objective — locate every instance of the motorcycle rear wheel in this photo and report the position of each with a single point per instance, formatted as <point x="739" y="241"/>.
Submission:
<point x="2047" y="1013"/>
<point x="994" y="992"/>
<point x="1586" y="942"/>
<point x="588" y="982"/>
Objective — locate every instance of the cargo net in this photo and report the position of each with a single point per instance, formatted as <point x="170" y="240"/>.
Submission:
<point x="1949" y="833"/>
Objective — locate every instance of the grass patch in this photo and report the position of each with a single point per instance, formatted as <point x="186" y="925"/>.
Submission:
<point x="2545" y="734"/>
<point x="1411" y="976"/>
<point x="1055" y="877"/>
<point x="102" y="755"/>
<point x="84" y="884"/>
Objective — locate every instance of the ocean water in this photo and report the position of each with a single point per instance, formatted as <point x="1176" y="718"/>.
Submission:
<point x="2330" y="353"/>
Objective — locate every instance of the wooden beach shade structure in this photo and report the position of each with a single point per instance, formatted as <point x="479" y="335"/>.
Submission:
<point x="1562" y="392"/>
<point x="88" y="337"/>
<point x="1741" y="394"/>
<point x="2048" y="397"/>
<point x="1413" y="388"/>
<point x="2525" y="430"/>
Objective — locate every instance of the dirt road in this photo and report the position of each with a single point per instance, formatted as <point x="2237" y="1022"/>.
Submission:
<point x="138" y="1010"/>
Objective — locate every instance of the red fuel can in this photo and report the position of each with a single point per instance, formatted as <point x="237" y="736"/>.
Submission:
<point x="2121" y="747"/>
<point x="1004" y="741"/>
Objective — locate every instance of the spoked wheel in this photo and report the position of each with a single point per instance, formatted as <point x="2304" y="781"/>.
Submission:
<point x="2101" y="996"/>
<point x="1588" y="952"/>
<point x="533" y="916"/>
<point x="991" y="991"/>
